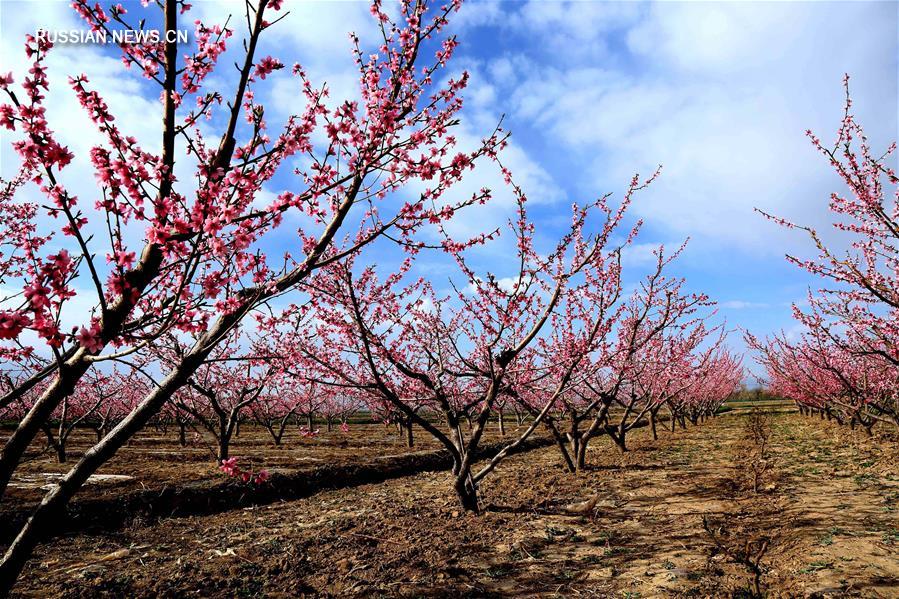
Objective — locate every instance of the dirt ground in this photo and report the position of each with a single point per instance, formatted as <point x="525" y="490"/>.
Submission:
<point x="673" y="518"/>
<point x="155" y="458"/>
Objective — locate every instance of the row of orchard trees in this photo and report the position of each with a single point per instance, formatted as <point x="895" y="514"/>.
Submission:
<point x="559" y="339"/>
<point x="231" y="388"/>
<point x="605" y="365"/>
<point x="262" y="385"/>
<point x="176" y="255"/>
<point x="844" y="364"/>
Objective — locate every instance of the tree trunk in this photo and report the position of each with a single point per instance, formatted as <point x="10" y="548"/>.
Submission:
<point x="519" y="416"/>
<point x="502" y="423"/>
<point x="560" y="441"/>
<point x="58" y="445"/>
<point x="581" y="456"/>
<point x="222" y="451"/>
<point x="467" y="494"/>
<point x="61" y="452"/>
<point x="618" y="436"/>
<point x="410" y="439"/>
<point x="182" y="434"/>
<point x="652" y="424"/>
<point x="310" y="421"/>
<point x="224" y="440"/>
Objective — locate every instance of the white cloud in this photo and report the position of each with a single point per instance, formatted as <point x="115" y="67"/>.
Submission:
<point x="640" y="254"/>
<point x="477" y="14"/>
<point x="720" y="93"/>
<point x="742" y="305"/>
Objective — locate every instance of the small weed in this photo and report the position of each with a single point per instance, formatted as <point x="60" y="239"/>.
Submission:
<point x="497" y="571"/>
<point x="891" y="536"/>
<point x="613" y="551"/>
<point x="864" y="479"/>
<point x="816" y="566"/>
<point x="273" y="547"/>
<point x="516" y="555"/>
<point x="827" y="539"/>
<point x="565" y="575"/>
<point x="559" y="534"/>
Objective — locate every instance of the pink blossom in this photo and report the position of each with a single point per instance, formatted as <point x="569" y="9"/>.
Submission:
<point x="12" y="323"/>
<point x="266" y="66"/>
<point x="90" y="338"/>
<point x="229" y="466"/>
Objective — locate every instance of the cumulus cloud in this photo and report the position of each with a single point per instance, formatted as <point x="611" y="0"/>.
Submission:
<point x="720" y="93"/>
<point x="742" y="305"/>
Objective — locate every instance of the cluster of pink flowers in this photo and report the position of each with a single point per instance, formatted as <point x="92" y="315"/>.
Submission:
<point x="12" y="323"/>
<point x="90" y="338"/>
<point x="231" y="468"/>
<point x="266" y="66"/>
<point x="211" y="43"/>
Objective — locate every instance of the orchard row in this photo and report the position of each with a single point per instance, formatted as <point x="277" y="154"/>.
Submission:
<point x="843" y="363"/>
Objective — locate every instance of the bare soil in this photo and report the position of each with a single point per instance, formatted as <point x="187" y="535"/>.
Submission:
<point x="672" y="518"/>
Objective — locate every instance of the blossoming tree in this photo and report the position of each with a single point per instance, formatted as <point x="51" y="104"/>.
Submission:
<point x="405" y="343"/>
<point x="199" y="265"/>
<point x="846" y="362"/>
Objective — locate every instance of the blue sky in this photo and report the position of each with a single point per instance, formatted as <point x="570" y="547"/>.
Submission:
<point x="720" y="94"/>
